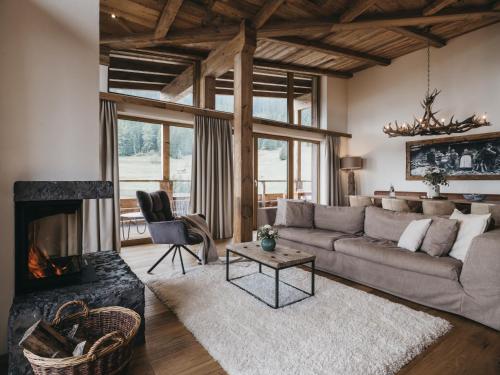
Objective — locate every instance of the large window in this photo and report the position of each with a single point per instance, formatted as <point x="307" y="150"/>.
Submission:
<point x="152" y="156"/>
<point x="305" y="171"/>
<point x="263" y="107"/>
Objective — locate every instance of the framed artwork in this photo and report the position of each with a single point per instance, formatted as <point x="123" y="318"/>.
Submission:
<point x="470" y="157"/>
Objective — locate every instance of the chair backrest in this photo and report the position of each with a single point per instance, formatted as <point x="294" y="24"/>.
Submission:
<point x="436" y="208"/>
<point x="360" y="201"/>
<point x="394" y="204"/>
<point x="155" y="206"/>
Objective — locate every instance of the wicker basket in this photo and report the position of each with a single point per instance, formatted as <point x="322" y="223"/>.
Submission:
<point x="110" y="354"/>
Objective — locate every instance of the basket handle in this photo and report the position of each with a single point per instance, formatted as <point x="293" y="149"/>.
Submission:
<point x="115" y="336"/>
<point x="81" y="304"/>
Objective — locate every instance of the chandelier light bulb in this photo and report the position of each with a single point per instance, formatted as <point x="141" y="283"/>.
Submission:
<point x="113" y="15"/>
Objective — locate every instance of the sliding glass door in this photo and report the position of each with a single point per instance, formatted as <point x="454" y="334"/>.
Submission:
<point x="272" y="169"/>
<point x="285" y="168"/>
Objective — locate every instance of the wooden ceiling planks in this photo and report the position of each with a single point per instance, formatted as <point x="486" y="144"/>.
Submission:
<point x="330" y="30"/>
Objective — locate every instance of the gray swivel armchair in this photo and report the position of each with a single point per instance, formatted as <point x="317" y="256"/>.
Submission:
<point x="163" y="227"/>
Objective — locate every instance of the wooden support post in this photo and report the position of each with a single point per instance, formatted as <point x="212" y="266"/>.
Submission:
<point x="243" y="127"/>
<point x="197" y="84"/>
<point x="289" y="97"/>
<point x="315" y="102"/>
<point x="207" y="88"/>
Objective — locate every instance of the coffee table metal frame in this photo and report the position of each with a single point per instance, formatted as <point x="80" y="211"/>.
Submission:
<point x="276" y="277"/>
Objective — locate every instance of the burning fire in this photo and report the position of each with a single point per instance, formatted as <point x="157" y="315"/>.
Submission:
<point x="40" y="265"/>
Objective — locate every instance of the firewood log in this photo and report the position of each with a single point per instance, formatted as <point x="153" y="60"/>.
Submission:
<point x="43" y="340"/>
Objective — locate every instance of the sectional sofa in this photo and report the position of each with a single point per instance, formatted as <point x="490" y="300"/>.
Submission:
<point x="361" y="245"/>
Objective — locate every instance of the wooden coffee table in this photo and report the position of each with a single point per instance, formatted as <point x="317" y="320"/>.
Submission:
<point x="279" y="259"/>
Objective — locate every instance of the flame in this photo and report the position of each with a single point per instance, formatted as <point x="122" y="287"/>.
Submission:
<point x="40" y="265"/>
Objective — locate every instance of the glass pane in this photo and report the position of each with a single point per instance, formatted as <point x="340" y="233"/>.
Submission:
<point x="268" y="108"/>
<point x="140" y="93"/>
<point x="224" y="103"/>
<point x="181" y="151"/>
<point x="272" y="165"/>
<point x="139" y="150"/>
<point x="305" y="167"/>
<point x="186" y="99"/>
<point x="128" y="188"/>
<point x="305" y="117"/>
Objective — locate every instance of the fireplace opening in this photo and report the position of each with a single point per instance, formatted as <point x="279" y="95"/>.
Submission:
<point x="49" y="244"/>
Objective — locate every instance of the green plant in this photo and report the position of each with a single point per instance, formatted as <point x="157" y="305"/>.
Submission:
<point x="267" y="231"/>
<point x="435" y="176"/>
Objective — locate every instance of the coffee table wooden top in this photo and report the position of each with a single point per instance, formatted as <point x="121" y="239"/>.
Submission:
<point x="281" y="257"/>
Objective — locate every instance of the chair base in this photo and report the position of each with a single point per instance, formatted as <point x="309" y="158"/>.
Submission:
<point x="177" y="250"/>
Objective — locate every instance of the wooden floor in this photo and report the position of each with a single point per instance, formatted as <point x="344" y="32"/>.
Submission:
<point x="469" y="349"/>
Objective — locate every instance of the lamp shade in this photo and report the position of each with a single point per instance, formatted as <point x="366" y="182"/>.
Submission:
<point x="351" y="162"/>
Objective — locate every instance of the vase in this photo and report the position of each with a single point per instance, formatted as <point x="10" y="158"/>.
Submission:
<point x="268" y="244"/>
<point x="434" y="191"/>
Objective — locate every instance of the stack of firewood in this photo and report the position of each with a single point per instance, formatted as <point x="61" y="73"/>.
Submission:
<point x="45" y="341"/>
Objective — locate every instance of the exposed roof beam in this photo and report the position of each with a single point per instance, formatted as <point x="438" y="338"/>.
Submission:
<point x="285" y="28"/>
<point x="417" y="34"/>
<point x="273" y="65"/>
<point x="145" y="65"/>
<point x="180" y="84"/>
<point x="167" y="17"/>
<point x="436" y="6"/>
<point x="267" y="10"/>
<point x="145" y="20"/>
<point x="332" y="50"/>
<point x="357" y="9"/>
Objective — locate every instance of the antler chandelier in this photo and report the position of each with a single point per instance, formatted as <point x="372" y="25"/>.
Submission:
<point x="429" y="124"/>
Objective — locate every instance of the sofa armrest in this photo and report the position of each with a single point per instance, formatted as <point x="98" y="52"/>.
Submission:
<point x="168" y="232"/>
<point x="481" y="270"/>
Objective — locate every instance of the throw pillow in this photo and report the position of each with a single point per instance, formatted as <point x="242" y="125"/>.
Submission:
<point x="470" y="226"/>
<point x="440" y="237"/>
<point x="299" y="215"/>
<point x="290" y="213"/>
<point x="414" y="234"/>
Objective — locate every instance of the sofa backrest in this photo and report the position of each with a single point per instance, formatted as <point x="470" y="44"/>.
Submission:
<point x="387" y="225"/>
<point x="339" y="219"/>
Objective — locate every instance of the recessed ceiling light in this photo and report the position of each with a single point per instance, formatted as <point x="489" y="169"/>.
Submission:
<point x="113" y="15"/>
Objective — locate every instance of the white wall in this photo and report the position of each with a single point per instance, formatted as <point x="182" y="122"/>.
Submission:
<point x="49" y="106"/>
<point x="467" y="71"/>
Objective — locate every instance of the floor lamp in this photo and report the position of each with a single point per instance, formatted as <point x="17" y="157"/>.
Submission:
<point x="349" y="164"/>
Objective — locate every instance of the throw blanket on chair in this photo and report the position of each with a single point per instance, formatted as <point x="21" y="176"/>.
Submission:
<point x="197" y="225"/>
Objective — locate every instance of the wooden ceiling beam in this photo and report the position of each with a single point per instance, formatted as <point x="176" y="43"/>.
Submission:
<point x="265" y="12"/>
<point x="167" y="17"/>
<point x="357" y="9"/>
<point x="436" y="6"/>
<point x="135" y="85"/>
<point x="273" y="65"/>
<point x="417" y="34"/>
<point x="180" y="84"/>
<point x="328" y="49"/>
<point x="142" y="77"/>
<point x="142" y="20"/>
<point x="145" y="66"/>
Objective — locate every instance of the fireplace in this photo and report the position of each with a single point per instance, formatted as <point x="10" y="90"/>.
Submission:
<point x="49" y="233"/>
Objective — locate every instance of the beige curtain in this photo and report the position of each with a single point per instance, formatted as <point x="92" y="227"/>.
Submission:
<point x="101" y="218"/>
<point x="212" y="174"/>
<point x="332" y="161"/>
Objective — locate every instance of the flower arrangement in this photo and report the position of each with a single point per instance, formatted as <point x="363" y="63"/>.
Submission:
<point x="267" y="232"/>
<point x="434" y="176"/>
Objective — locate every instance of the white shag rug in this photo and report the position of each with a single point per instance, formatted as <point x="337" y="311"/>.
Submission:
<point x="341" y="330"/>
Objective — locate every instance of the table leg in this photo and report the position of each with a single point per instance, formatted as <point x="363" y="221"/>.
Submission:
<point x="312" y="278"/>
<point x="227" y="265"/>
<point x="277" y="289"/>
<point x="260" y="268"/>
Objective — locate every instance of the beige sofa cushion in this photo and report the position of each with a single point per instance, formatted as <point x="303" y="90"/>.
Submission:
<point x="387" y="253"/>
<point x="340" y="219"/>
<point x="323" y="239"/>
<point x="387" y="225"/>
<point x="294" y="213"/>
<point x="440" y="237"/>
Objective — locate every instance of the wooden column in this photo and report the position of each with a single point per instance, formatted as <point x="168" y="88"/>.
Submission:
<point x="207" y="89"/>
<point x="315" y="102"/>
<point x="289" y="97"/>
<point x="243" y="144"/>
<point x="197" y="84"/>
